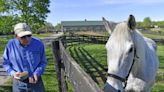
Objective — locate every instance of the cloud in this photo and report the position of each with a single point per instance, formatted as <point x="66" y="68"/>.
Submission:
<point x="93" y="3"/>
<point x="77" y="3"/>
<point x="147" y="2"/>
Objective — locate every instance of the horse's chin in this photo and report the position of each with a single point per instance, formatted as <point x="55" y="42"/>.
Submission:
<point x="109" y="87"/>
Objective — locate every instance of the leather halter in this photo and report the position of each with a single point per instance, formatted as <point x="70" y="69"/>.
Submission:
<point x="124" y="80"/>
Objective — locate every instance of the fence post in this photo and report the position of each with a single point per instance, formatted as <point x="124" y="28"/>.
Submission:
<point x="64" y="41"/>
<point x="59" y="67"/>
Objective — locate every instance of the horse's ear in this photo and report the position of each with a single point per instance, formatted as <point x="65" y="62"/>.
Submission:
<point x="107" y="25"/>
<point x="131" y="22"/>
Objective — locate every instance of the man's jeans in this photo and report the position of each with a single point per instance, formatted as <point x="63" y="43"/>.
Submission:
<point x="25" y="86"/>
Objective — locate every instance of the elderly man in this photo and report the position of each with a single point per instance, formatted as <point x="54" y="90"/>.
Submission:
<point x="24" y="59"/>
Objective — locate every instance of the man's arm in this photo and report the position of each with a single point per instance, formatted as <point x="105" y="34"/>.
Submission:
<point x="42" y="65"/>
<point x="6" y="63"/>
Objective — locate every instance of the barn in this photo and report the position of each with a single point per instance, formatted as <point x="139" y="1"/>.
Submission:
<point x="76" y="26"/>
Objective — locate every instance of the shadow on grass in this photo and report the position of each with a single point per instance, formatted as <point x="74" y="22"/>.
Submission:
<point x="161" y="58"/>
<point x="95" y="64"/>
<point x="84" y="63"/>
<point x="89" y="64"/>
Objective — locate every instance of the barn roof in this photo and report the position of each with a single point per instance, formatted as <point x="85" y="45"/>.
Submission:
<point x="81" y="23"/>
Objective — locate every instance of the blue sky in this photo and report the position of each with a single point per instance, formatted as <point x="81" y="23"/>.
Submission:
<point x="112" y="10"/>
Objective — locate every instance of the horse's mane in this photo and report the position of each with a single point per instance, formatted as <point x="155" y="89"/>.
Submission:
<point x="121" y="34"/>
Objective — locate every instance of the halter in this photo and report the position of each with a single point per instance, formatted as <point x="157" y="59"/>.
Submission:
<point x="124" y="80"/>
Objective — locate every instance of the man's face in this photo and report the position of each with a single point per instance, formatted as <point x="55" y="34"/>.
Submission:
<point x="25" y="40"/>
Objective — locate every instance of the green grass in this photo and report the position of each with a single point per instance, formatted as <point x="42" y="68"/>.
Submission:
<point x="3" y="42"/>
<point x="42" y="35"/>
<point x="7" y="87"/>
<point x="154" y="36"/>
<point x="49" y="76"/>
<point x="92" y="58"/>
<point x="159" y="85"/>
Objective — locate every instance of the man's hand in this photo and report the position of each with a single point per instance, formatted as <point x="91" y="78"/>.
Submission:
<point x="17" y="75"/>
<point x="36" y="78"/>
<point x="33" y="79"/>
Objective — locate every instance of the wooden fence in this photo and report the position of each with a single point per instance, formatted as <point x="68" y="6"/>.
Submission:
<point x="67" y="68"/>
<point x="78" y="39"/>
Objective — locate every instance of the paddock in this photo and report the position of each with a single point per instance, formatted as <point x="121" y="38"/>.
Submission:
<point x="68" y="70"/>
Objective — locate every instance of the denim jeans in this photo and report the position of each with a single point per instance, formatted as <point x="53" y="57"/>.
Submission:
<point x="24" y="86"/>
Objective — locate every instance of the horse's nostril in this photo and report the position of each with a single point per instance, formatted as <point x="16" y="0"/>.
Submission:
<point x="119" y="90"/>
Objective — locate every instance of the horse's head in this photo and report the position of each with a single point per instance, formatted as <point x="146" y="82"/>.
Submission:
<point x="120" y="52"/>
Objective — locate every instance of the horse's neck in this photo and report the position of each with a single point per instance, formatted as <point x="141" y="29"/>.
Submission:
<point x="140" y="58"/>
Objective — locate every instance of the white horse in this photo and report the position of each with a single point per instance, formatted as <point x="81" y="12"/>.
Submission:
<point x="132" y="59"/>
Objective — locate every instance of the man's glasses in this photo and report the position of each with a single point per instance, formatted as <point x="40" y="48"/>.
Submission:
<point x="23" y="37"/>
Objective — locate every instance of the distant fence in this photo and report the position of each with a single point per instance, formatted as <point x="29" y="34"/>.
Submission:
<point x="67" y="68"/>
<point x="159" y="41"/>
<point x="78" y="39"/>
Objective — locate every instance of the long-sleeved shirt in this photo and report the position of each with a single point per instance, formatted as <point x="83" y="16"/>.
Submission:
<point x="30" y="58"/>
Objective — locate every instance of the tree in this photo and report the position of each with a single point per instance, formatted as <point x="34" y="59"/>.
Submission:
<point x="3" y="6"/>
<point x="48" y="27"/>
<point x="33" y="12"/>
<point x="58" y="27"/>
<point x="147" y="22"/>
<point x="6" y="24"/>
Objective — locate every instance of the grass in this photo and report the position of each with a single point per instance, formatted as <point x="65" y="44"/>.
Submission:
<point x="7" y="87"/>
<point x="92" y="58"/>
<point x="161" y="30"/>
<point x="49" y="76"/>
<point x="3" y="41"/>
<point x="154" y="36"/>
<point x="159" y="85"/>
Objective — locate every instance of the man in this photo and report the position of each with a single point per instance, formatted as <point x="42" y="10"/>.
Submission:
<point x="24" y="59"/>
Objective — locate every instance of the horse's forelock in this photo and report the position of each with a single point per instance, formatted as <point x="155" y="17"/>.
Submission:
<point x="121" y="32"/>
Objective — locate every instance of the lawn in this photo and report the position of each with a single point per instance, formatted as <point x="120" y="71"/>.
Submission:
<point x="154" y="36"/>
<point x="92" y="58"/>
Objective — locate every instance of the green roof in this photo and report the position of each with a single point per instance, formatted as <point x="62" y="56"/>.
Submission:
<point x="81" y="23"/>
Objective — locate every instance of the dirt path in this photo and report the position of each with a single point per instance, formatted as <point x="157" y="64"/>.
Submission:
<point x="3" y="75"/>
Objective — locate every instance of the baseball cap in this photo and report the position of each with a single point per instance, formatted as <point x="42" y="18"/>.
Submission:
<point x="22" y="29"/>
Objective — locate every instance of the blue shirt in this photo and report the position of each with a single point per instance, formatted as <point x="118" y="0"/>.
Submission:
<point x="30" y="58"/>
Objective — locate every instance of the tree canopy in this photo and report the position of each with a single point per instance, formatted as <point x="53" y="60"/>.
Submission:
<point x="33" y="12"/>
<point x="147" y="22"/>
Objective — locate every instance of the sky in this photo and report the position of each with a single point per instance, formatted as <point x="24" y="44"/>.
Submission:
<point x="112" y="10"/>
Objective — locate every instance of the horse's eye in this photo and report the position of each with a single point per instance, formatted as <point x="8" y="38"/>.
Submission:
<point x="130" y="50"/>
